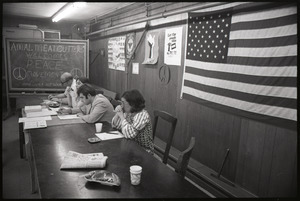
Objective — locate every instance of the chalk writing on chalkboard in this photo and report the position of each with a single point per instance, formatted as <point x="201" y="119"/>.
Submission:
<point x="38" y="65"/>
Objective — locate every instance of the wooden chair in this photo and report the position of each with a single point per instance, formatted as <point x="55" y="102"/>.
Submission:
<point x="183" y="159"/>
<point x="173" y="120"/>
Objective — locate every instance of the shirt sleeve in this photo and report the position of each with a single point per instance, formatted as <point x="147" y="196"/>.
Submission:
<point x="95" y="113"/>
<point x="116" y="122"/>
<point x="66" y="91"/>
<point x="130" y="130"/>
<point x="69" y="100"/>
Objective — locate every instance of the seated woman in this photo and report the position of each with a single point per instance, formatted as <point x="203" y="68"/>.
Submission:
<point x="134" y="120"/>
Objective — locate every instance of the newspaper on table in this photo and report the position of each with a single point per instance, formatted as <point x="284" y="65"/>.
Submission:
<point x="77" y="160"/>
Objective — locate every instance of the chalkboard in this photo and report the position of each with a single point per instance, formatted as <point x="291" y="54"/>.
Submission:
<point x="37" y="65"/>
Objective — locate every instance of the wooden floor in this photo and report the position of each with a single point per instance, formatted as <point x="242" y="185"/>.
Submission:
<point x="16" y="183"/>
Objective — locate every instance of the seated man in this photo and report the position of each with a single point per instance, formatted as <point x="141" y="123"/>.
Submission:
<point x="96" y="108"/>
<point x="74" y="101"/>
<point x="68" y="81"/>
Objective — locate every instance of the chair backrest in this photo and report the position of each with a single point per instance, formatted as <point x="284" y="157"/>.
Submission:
<point x="173" y="120"/>
<point x="184" y="157"/>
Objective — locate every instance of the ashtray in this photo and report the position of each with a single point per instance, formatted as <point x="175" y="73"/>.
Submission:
<point x="103" y="177"/>
<point x="54" y="104"/>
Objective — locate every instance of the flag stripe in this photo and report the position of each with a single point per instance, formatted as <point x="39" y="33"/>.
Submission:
<point x="286" y="71"/>
<point x="274" y="111"/>
<point x="279" y="61"/>
<point x="285" y="92"/>
<point x="267" y="23"/>
<point x="290" y="50"/>
<point x="265" y="42"/>
<point x="287" y="30"/>
<point x="265" y="100"/>
<point x="289" y="124"/>
<point x="257" y="80"/>
<point x="285" y="10"/>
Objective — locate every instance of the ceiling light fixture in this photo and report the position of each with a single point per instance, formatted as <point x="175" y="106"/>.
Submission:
<point x="66" y="10"/>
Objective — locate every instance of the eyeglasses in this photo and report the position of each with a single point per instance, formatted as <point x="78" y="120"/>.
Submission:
<point x="65" y="82"/>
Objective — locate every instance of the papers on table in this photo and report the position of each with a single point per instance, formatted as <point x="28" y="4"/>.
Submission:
<point x="44" y="112"/>
<point x="25" y="119"/>
<point x="68" y="116"/>
<point x="35" y="124"/>
<point x="36" y="117"/>
<point x="110" y="136"/>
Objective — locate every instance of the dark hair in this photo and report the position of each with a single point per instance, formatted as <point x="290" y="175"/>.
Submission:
<point x="135" y="100"/>
<point x="86" y="89"/>
<point x="84" y="80"/>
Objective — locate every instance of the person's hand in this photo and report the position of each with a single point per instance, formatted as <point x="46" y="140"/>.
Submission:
<point x="51" y="96"/>
<point x="119" y="108"/>
<point x="68" y="89"/>
<point x="80" y="104"/>
<point x="80" y="115"/>
<point x="119" y="112"/>
<point x="65" y="111"/>
<point x="56" y="99"/>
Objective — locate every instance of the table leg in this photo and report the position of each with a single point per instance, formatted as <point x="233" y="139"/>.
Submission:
<point x="21" y="136"/>
<point x="33" y="173"/>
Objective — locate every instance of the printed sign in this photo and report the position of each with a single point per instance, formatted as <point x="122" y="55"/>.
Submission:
<point x="116" y="53"/>
<point x="173" y="38"/>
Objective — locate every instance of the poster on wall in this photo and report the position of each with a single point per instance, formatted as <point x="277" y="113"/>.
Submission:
<point x="172" y="53"/>
<point x="130" y="45"/>
<point x="151" y="48"/>
<point x="116" y="53"/>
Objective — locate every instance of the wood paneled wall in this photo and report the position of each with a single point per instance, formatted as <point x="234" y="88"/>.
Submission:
<point x="262" y="158"/>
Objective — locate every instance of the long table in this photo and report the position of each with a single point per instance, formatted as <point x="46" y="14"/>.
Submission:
<point x="51" y="144"/>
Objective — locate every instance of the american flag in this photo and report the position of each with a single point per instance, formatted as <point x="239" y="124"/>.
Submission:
<point x="244" y="61"/>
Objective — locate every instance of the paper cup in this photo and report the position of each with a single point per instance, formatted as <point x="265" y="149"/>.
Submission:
<point x="98" y="127"/>
<point x="135" y="174"/>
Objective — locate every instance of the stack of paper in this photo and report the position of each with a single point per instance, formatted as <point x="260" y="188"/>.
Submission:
<point x="44" y="112"/>
<point x="35" y="124"/>
<point x="33" y="108"/>
<point x="25" y="119"/>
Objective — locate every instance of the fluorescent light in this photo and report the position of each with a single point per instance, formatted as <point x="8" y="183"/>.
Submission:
<point x="66" y="10"/>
